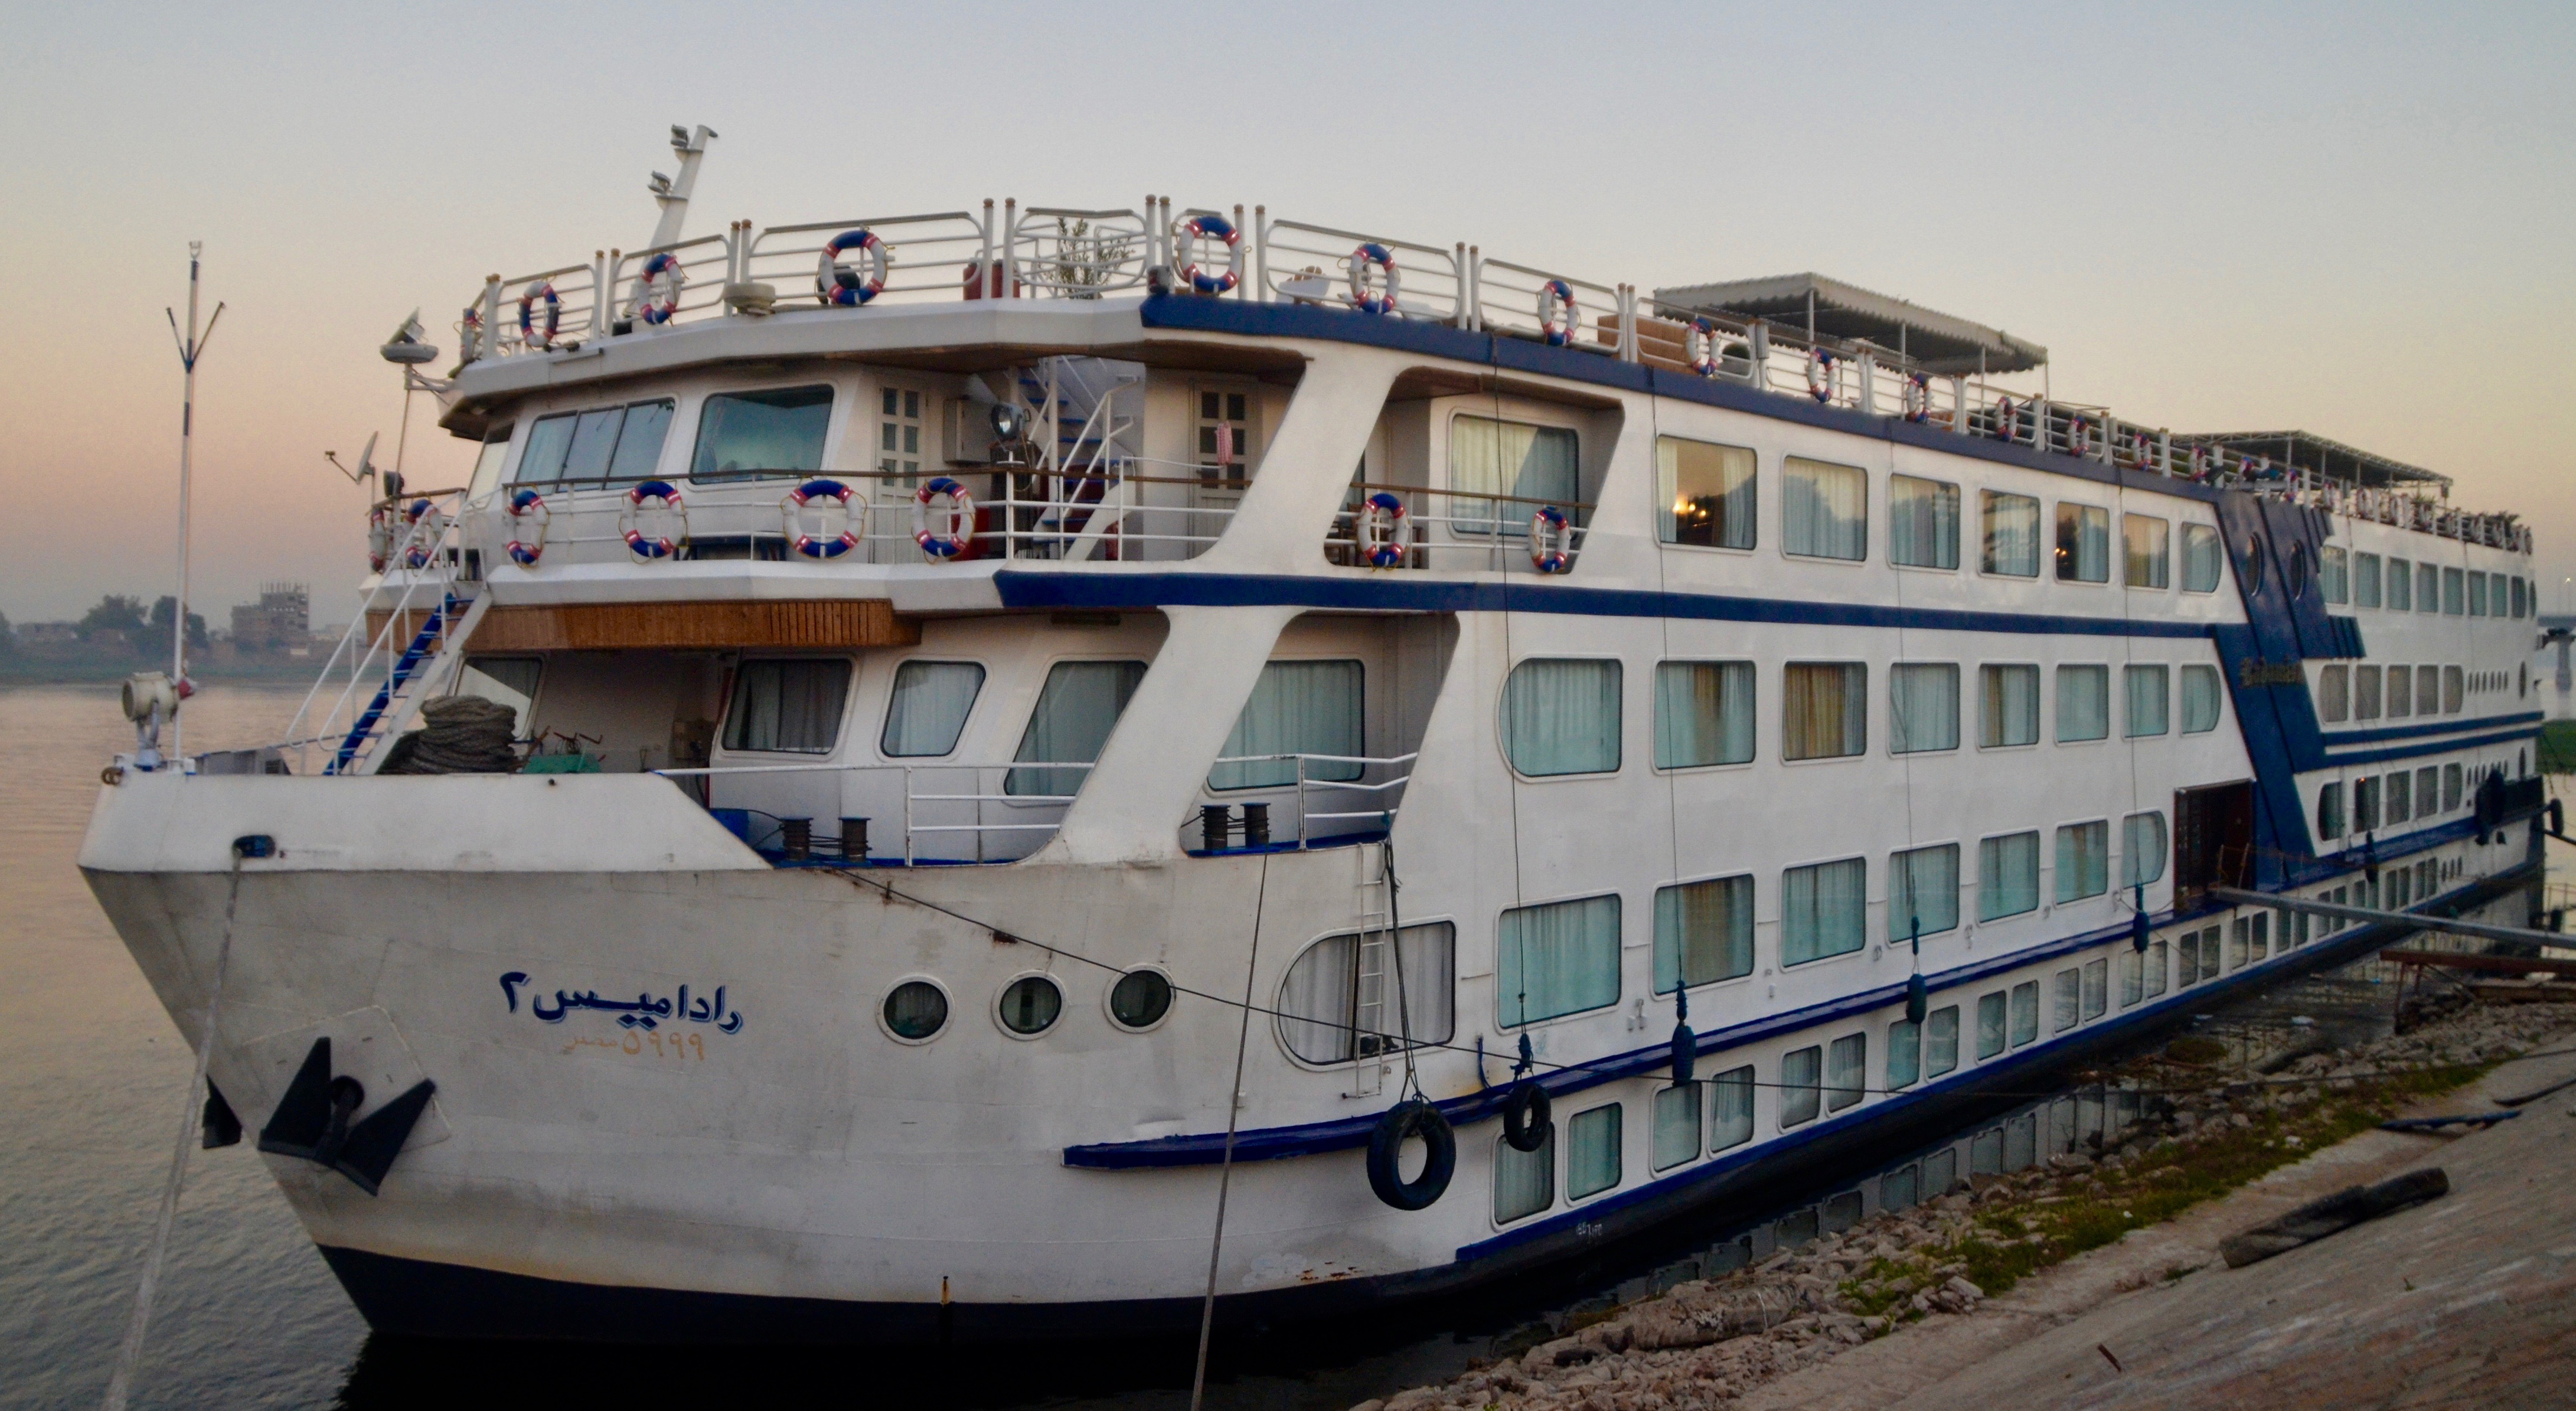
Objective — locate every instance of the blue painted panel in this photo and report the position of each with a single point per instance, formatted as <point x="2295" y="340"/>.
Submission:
<point x="2419" y="751"/>
<point x="2338" y="739"/>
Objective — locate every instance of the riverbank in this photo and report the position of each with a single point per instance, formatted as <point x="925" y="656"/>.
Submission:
<point x="1920" y="1298"/>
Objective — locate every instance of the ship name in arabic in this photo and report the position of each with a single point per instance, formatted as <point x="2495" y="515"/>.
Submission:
<point x="642" y="1012"/>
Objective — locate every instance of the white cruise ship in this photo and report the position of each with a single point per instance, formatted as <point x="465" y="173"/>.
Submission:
<point x="1591" y="758"/>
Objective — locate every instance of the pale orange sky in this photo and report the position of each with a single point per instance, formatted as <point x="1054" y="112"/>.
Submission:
<point x="2353" y="220"/>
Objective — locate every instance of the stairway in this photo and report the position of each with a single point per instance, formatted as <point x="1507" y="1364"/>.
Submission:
<point x="423" y="666"/>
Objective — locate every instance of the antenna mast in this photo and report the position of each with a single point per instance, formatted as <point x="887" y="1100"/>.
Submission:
<point x="673" y="192"/>
<point x="192" y="345"/>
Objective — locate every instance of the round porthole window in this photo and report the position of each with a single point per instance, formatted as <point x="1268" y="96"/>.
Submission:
<point x="915" y="1011"/>
<point x="1030" y="1005"/>
<point x="2253" y="565"/>
<point x="1140" y="999"/>
<point x="2295" y="571"/>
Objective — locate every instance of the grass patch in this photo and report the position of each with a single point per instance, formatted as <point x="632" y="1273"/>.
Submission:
<point x="2558" y="747"/>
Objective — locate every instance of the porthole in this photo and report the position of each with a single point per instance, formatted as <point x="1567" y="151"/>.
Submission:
<point x="914" y="1012"/>
<point x="2253" y="565"/>
<point x="1029" y="1005"/>
<point x="1140" y="999"/>
<point x="2295" y="570"/>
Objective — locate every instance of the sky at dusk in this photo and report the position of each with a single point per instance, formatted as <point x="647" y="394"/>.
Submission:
<point x="2350" y="219"/>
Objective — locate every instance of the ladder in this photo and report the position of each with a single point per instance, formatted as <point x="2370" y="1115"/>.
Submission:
<point x="1375" y="1007"/>
<point x="423" y="668"/>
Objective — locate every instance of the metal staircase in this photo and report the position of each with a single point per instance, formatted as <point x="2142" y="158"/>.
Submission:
<point x="1083" y="438"/>
<point x="419" y="672"/>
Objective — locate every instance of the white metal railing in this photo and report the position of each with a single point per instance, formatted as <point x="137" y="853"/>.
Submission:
<point x="1554" y="308"/>
<point x="418" y="577"/>
<point x="1457" y="530"/>
<point x="975" y="803"/>
<point x="1384" y="793"/>
<point x="939" y="256"/>
<point x="1317" y="264"/>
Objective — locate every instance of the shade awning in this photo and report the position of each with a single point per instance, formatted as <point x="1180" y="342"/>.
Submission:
<point x="2305" y="450"/>
<point x="1934" y="341"/>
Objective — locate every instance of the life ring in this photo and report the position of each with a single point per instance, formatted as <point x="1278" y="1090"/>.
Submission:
<point x="2142" y="452"/>
<point x="1550" y="540"/>
<point x="1185" y="265"/>
<point x="525" y="548"/>
<point x="1381" y="530"/>
<point x="2200" y="463"/>
<point x="1917" y="397"/>
<point x="959" y="517"/>
<point x="1373" y="294"/>
<point x="1557" y="312"/>
<point x="417" y="550"/>
<point x="380" y="538"/>
<point x="2005" y="419"/>
<point x="2079" y="434"/>
<point x="1820" y="374"/>
<point x="469" y="334"/>
<point x="529" y="333"/>
<point x="657" y="288"/>
<point x="853" y="527"/>
<point x="658" y="547"/>
<point x="1525" y="1116"/>
<point x="1403" y="1122"/>
<point x="837" y="283"/>
<point x="1699" y="344"/>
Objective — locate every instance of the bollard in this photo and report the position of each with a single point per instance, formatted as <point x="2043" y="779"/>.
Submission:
<point x="796" y="837"/>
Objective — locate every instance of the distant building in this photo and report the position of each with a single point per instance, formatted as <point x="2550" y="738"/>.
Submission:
<point x="279" y="620"/>
<point x="46" y="633"/>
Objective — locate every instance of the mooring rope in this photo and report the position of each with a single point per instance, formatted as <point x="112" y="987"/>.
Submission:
<point x="120" y="1383"/>
<point x="1233" y="1108"/>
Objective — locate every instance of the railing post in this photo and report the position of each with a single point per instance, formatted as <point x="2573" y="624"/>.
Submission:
<point x="1261" y="250"/>
<point x="1628" y="323"/>
<point x="1868" y="383"/>
<point x="598" y="295"/>
<point x="1461" y="316"/>
<point x="2164" y="452"/>
<point x="1242" y="292"/>
<point x="1475" y="290"/>
<point x="491" y="340"/>
<point x="1959" y="405"/>
<point x="1758" y="338"/>
<point x="1010" y="247"/>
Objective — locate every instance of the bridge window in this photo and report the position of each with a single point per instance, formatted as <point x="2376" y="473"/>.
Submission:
<point x="774" y="432"/>
<point x="605" y="444"/>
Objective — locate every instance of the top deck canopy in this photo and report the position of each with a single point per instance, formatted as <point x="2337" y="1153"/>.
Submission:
<point x="2305" y="450"/>
<point x="1936" y="342"/>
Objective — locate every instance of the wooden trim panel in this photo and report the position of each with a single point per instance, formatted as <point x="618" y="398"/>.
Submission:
<point x="824" y="624"/>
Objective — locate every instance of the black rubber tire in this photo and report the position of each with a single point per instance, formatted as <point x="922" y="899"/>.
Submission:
<point x="1405" y="1120"/>
<point x="1525" y="1116"/>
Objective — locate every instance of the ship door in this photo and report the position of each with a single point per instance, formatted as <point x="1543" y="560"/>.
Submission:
<point x="2213" y="839"/>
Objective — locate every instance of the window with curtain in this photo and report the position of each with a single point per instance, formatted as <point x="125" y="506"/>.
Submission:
<point x="1534" y="464"/>
<point x="1340" y="998"/>
<point x="2330" y="811"/>
<point x="2069" y="988"/>
<point x="2200" y="692"/>
<point x="1524" y="1181"/>
<point x="1705" y="494"/>
<point x="1077" y="708"/>
<point x="790" y="707"/>
<point x="1990" y="1024"/>
<point x="1846" y="1071"/>
<point x="1556" y="958"/>
<point x="2400" y="695"/>
<point x="928" y="708"/>
<point x="2133" y="977"/>
<point x="1822" y="910"/>
<point x="2083" y="703"/>
<point x="2334" y="693"/>
<point x="1824" y="709"/>
<point x="1904" y="1054"/>
<point x="2025" y="1012"/>
<point x="1730" y="1108"/>
<point x="2187" y="953"/>
<point x="2200" y="558"/>
<point x="1703" y="932"/>
<point x="1824" y="510"/>
<point x="2398" y="797"/>
<point x="2453" y="781"/>
<point x="2083" y="860"/>
<point x="1801" y="1086"/>
<point x="2097" y="987"/>
<point x="2401" y="586"/>
<point x="1592" y="1151"/>
<point x="1924" y="701"/>
<point x="2150" y="703"/>
<point x="1922" y="522"/>
<point x="2147" y="544"/>
<point x="2334" y="577"/>
<point x="1561" y="716"/>
<point x="775" y="432"/>
<point x="2365" y="580"/>
<point x="1940" y="1041"/>
<point x="2007" y="876"/>
<point x="2008" y="705"/>
<point x="1922" y="891"/>
<point x="2083" y="543"/>
<point x="2009" y="525"/>
<point x="2143" y="844"/>
<point x="1703" y="713"/>
<point x="2454" y="690"/>
<point x="2158" y="964"/>
<point x="2365" y="692"/>
<point x="1677" y="1119"/>
<point x="1296" y="707"/>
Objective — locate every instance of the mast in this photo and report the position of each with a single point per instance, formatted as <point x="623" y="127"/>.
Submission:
<point x="192" y="345"/>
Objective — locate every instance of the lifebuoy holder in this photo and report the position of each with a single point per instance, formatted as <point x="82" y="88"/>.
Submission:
<point x="847" y="285"/>
<point x="824" y="546"/>
<point x="527" y="545"/>
<point x="1382" y="520"/>
<point x="956" y="527"/>
<point x="649" y="546"/>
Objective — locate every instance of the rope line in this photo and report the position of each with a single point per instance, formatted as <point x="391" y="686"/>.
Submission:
<point x="1225" y="1171"/>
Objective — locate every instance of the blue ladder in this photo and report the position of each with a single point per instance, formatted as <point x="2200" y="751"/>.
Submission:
<point x="421" y="646"/>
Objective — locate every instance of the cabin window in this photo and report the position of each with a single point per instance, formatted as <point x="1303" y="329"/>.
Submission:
<point x="2455" y="593"/>
<point x="2083" y="860"/>
<point x="2142" y="848"/>
<point x="899" y="431"/>
<point x="1524" y="1181"/>
<point x="2452" y="777"/>
<point x="1078" y="707"/>
<point x="1339" y="1000"/>
<point x="2428" y="689"/>
<point x="510" y="681"/>
<point x="1704" y="494"/>
<point x="2009" y="525"/>
<point x="2147" y="542"/>
<point x="2133" y="976"/>
<point x="1922" y="892"/>
<point x="1824" y="710"/>
<point x="2365" y="804"/>
<point x="2334" y="693"/>
<point x="2007" y="875"/>
<point x="1730" y="1108"/>
<point x="1556" y="958"/>
<point x="1940" y="1041"/>
<point x="2334" y="575"/>
<point x="2159" y="962"/>
<point x="1592" y="1151"/>
<point x="2025" y="1012"/>
<point x="1533" y="465"/>
<point x="2008" y="705"/>
<point x="2200" y="558"/>
<point x="790" y="707"/>
<point x="1677" y="1119"/>
<point x="1824" y="510"/>
<point x="1703" y="932"/>
<point x="2150" y="699"/>
<point x="2068" y="987"/>
<point x="2365" y="693"/>
<point x="2083" y="703"/>
<point x="1801" y="1086"/>
<point x="2097" y="987"/>
<point x="1904" y="1054"/>
<point x="1846" y="1071"/>
<point x="1703" y="713"/>
<point x="2428" y="588"/>
<point x="1924" y="707"/>
<point x="2478" y="594"/>
<point x="1296" y="707"/>
<point x="487" y="462"/>
<point x="2330" y="811"/>
<point x="2454" y="690"/>
<point x="1821" y="910"/>
<point x="2400" y="693"/>
<point x="915" y="1011"/>
<point x="1990" y="1025"/>
<point x="2397" y="798"/>
<point x="2521" y="597"/>
<point x="2401" y="586"/>
<point x="1561" y="716"/>
<point x="2365" y="580"/>
<point x="774" y="432"/>
<point x="1922" y="522"/>
<point x="2200" y="692"/>
<point x="2189" y="954"/>
<point x="2083" y="543"/>
<point x="928" y="707"/>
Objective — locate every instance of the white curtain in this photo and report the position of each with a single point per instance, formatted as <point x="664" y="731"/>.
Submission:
<point x="2083" y="860"/>
<point x="1730" y="1109"/>
<point x="2083" y="543"/>
<point x="1704" y="494"/>
<point x="1904" y="1053"/>
<point x="1524" y="1181"/>
<point x="2199" y="699"/>
<point x="2011" y="528"/>
<point x="1925" y="697"/>
<point x="2069" y="987"/>
<point x="1825" y="510"/>
<point x="2148" y="541"/>
<point x="2158" y="962"/>
<point x="1922" y="522"/>
<point x="1562" y="717"/>
<point x="2400" y="798"/>
<point x="1846" y="1070"/>
<point x="2428" y="588"/>
<point x="1823" y="910"/>
<point x="1677" y="1117"/>
<point x="1343" y="986"/>
<point x="1592" y="1139"/>
<point x="2142" y="840"/>
<point x="2334" y="578"/>
<point x="2334" y="694"/>
<point x="1297" y="707"/>
<point x="2083" y="703"/>
<point x="2150" y="692"/>
<point x="1824" y="710"/>
<point x="2401" y="693"/>
<point x="2133" y="977"/>
<point x="1703" y="713"/>
<point x="1801" y="1074"/>
<point x="2199" y="558"/>
<point x="2010" y="705"/>
<point x="929" y="708"/>
<point x="1922" y="889"/>
<point x="1315" y="1001"/>
<point x="2365" y="692"/>
<point x="1557" y="958"/>
<point x="1941" y="1041"/>
<point x="2007" y="876"/>
<point x="1534" y="463"/>
<point x="1076" y="710"/>
<point x="1703" y="932"/>
<point x="787" y="706"/>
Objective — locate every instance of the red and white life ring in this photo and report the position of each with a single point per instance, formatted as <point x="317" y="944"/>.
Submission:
<point x="1186" y="235"/>
<point x="653" y="546"/>
<point x="2005" y="418"/>
<point x="380" y="538"/>
<point x="530" y="333"/>
<point x="2079" y="435"/>
<point x="657" y="288"/>
<point x="824" y="546"/>
<point x="1558" y="313"/>
<point x="1382" y="519"/>
<point x="1551" y="540"/>
<point x="848" y="285"/>
<point x="527" y="545"/>
<point x="1820" y="374"/>
<point x="420" y="539"/>
<point x="1699" y="344"/>
<point x="1374" y="281"/>
<point x="1917" y="397"/>
<point x="954" y="529"/>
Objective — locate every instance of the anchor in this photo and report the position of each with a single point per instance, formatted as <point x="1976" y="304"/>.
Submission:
<point x="312" y="1122"/>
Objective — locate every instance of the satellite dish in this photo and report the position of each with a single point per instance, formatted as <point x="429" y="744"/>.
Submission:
<point x="366" y="462"/>
<point x="405" y="347"/>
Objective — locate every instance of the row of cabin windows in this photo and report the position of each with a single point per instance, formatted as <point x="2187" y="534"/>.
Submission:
<point x="1705" y="499"/>
<point x="2386" y="800"/>
<point x="1561" y="715"/>
<point x="777" y="431"/>
<point x="2396" y="692"/>
<point x="2361" y="580"/>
